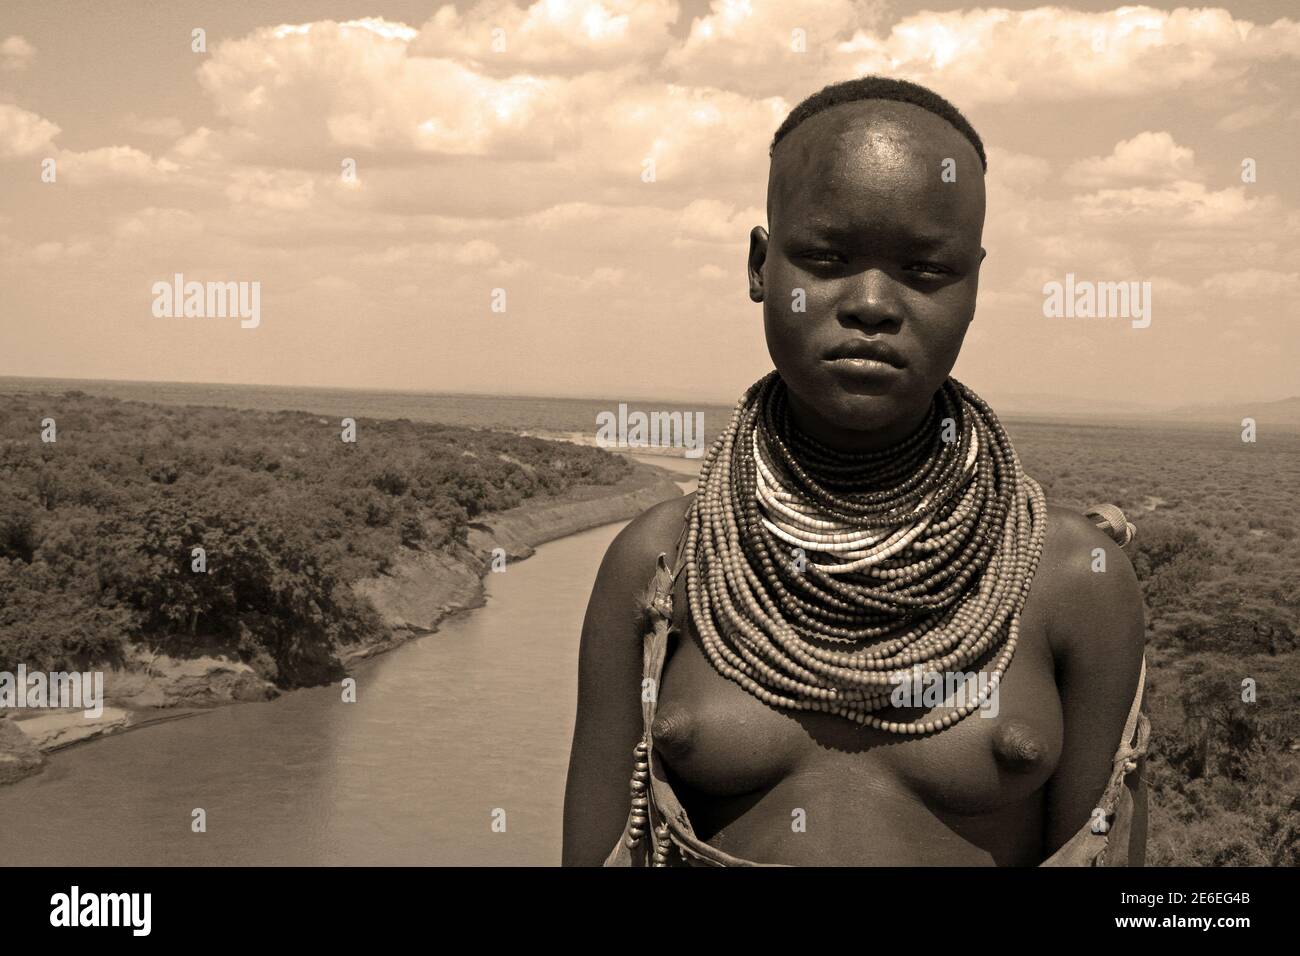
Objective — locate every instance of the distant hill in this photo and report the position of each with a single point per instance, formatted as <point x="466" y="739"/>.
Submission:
<point x="555" y="415"/>
<point x="1050" y="405"/>
<point x="1282" y="412"/>
<point x="1285" y="411"/>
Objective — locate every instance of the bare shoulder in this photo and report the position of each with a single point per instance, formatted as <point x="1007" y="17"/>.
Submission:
<point x="629" y="566"/>
<point x="635" y="549"/>
<point x="1094" y="599"/>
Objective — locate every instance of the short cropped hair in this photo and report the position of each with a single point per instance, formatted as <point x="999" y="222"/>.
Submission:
<point x="880" y="88"/>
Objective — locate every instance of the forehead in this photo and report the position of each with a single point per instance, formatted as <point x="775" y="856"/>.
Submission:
<point x="874" y="160"/>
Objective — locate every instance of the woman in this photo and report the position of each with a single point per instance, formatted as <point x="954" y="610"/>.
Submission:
<point x="861" y="532"/>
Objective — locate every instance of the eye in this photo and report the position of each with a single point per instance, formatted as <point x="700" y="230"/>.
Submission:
<point x="929" y="268"/>
<point x="822" y="256"/>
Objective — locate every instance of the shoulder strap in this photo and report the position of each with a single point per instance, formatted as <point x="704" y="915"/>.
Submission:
<point x="1111" y="520"/>
<point x="1135" y="710"/>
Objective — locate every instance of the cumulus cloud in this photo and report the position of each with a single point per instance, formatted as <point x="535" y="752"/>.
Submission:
<point x="309" y="94"/>
<point x="1147" y="157"/>
<point x="531" y="157"/>
<point x="1015" y="171"/>
<point x="1252" y="114"/>
<point x="1178" y="203"/>
<point x="165" y="126"/>
<point x="1052" y="53"/>
<point x="605" y="276"/>
<point x="768" y="47"/>
<point x="550" y="36"/>
<point x="305" y="92"/>
<point x="23" y="133"/>
<point x="274" y="189"/>
<point x="693" y="134"/>
<point x="1254" y="282"/>
<point x="112" y="163"/>
<point x="165" y="223"/>
<point x="474" y="252"/>
<point x="711" y="221"/>
<point x="16" y="53"/>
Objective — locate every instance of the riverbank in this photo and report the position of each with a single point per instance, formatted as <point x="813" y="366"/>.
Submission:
<point x="418" y="592"/>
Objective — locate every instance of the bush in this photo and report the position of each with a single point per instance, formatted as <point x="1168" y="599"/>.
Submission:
<point x="18" y="537"/>
<point x="97" y="532"/>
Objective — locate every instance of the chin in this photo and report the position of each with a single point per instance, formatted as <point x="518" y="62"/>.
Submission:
<point x="862" y="411"/>
<point x="852" y="406"/>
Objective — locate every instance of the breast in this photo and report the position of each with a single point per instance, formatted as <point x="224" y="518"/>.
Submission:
<point x="716" y="737"/>
<point x="719" y="741"/>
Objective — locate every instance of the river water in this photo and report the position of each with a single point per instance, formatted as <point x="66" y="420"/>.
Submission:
<point x="450" y="734"/>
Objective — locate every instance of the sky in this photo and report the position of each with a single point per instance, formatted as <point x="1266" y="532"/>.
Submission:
<point x="393" y="174"/>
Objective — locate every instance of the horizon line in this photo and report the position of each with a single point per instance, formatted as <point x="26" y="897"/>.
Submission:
<point x="1139" y="410"/>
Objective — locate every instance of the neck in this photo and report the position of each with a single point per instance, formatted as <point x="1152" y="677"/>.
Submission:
<point x="854" y="440"/>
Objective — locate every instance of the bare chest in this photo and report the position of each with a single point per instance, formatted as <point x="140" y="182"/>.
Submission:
<point x="722" y="743"/>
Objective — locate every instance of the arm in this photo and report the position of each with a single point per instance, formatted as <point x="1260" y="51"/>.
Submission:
<point x="608" y="725"/>
<point x="1097" y="633"/>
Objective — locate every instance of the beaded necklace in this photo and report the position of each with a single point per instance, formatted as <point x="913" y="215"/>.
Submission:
<point x="821" y="580"/>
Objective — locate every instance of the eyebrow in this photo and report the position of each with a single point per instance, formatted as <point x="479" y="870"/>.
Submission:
<point x="918" y="243"/>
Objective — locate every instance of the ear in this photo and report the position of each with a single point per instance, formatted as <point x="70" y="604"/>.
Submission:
<point x="757" y="256"/>
<point x="983" y="253"/>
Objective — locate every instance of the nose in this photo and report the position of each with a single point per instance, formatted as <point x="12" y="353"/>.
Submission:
<point x="872" y="299"/>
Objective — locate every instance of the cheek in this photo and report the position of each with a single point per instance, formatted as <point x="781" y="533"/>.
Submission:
<point x="790" y="345"/>
<point x="794" y="303"/>
<point x="782" y="332"/>
<point x="941" y="327"/>
<point x="781" y="294"/>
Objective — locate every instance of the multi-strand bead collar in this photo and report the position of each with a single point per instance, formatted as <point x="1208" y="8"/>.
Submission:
<point x="820" y="580"/>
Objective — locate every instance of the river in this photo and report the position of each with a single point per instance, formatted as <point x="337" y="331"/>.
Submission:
<point x="449" y="734"/>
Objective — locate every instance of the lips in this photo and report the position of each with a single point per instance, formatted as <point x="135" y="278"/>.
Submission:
<point x="870" y="349"/>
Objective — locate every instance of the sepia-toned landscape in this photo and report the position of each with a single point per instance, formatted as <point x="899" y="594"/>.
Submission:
<point x="323" y="552"/>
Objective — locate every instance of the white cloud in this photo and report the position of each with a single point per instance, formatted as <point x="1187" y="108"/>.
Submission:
<point x="23" y="133"/>
<point x="694" y="135"/>
<point x="1147" y="157"/>
<point x="304" y="93"/>
<point x="16" y="53"/>
<point x="112" y="163"/>
<point x="1178" y="203"/>
<point x="550" y="35"/>
<point x="1014" y="171"/>
<point x="603" y="276"/>
<point x="310" y="95"/>
<point x="767" y="47"/>
<point x="708" y="220"/>
<point x="564" y="214"/>
<point x="275" y="189"/>
<point x="1252" y="114"/>
<point x="1254" y="282"/>
<point x="474" y="253"/>
<point x="1051" y="53"/>
<point x="164" y="224"/>
<point x="165" y="126"/>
